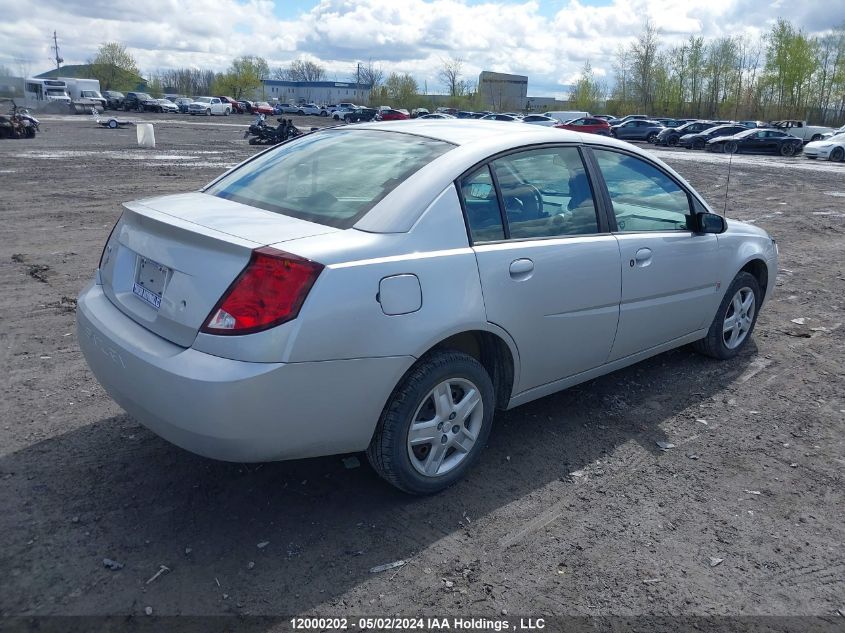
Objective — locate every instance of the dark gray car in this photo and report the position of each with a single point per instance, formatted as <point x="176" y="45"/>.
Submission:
<point x="637" y="130"/>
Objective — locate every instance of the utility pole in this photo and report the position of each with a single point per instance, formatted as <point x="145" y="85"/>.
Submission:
<point x="55" y="48"/>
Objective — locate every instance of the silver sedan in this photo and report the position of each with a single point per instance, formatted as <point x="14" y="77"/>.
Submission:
<point x="387" y="286"/>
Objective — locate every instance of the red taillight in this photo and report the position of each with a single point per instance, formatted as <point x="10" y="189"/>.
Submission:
<point x="269" y="291"/>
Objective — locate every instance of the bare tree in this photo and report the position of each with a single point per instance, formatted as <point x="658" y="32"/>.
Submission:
<point x="301" y="70"/>
<point x="643" y="64"/>
<point x="370" y="74"/>
<point x="450" y="75"/>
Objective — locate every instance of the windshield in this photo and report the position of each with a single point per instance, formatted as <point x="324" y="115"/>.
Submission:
<point x="203" y="99"/>
<point x="330" y="178"/>
<point x="55" y="92"/>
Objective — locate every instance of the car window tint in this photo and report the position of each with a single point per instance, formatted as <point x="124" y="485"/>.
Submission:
<point x="643" y="197"/>
<point x="482" y="206"/>
<point x="332" y="177"/>
<point x="546" y="193"/>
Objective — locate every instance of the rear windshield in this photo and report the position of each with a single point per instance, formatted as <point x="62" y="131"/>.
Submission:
<point x="331" y="177"/>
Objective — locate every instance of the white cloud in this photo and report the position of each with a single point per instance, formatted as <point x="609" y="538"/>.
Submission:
<point x="408" y="36"/>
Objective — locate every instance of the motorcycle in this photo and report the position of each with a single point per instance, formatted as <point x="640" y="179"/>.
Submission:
<point x="19" y="123"/>
<point x="263" y="134"/>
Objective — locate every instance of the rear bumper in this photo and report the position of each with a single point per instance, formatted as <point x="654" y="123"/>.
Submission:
<point x="233" y="410"/>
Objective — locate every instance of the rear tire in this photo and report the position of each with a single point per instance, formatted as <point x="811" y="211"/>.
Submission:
<point x="720" y="342"/>
<point x="460" y="380"/>
<point x="816" y="137"/>
<point x="651" y="138"/>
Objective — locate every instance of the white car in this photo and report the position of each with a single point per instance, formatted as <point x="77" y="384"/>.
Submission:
<point x="834" y="133"/>
<point x="540" y="119"/>
<point x="308" y="108"/>
<point x="832" y="148"/>
<point x="209" y="106"/>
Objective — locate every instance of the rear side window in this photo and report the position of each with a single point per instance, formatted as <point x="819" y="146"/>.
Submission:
<point x="544" y="192"/>
<point x="332" y="178"/>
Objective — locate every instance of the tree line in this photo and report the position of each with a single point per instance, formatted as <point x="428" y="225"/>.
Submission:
<point x="786" y="74"/>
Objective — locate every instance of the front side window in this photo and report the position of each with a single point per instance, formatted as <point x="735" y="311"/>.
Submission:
<point x="333" y="177"/>
<point x="643" y="197"/>
<point x="546" y="193"/>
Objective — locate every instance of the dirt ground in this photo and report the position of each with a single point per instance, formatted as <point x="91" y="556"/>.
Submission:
<point x="573" y="509"/>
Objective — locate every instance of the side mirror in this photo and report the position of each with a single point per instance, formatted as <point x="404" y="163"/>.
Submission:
<point x="709" y="223"/>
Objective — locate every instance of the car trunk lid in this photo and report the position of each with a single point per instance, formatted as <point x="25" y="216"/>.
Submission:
<point x="170" y="259"/>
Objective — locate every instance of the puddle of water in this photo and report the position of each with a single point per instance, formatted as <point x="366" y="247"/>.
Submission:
<point x="835" y="194"/>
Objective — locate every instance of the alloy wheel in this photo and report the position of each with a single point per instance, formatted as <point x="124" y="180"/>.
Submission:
<point x="445" y="427"/>
<point x="787" y="149"/>
<point x="837" y="154"/>
<point x="739" y="318"/>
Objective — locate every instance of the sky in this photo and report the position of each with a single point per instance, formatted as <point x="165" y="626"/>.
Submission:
<point x="549" y="41"/>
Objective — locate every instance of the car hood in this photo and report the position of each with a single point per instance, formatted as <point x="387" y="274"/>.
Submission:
<point x="743" y="228"/>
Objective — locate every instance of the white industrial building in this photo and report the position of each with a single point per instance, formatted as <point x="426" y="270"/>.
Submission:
<point x="319" y="92"/>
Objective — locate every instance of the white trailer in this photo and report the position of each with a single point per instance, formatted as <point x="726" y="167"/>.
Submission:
<point x="44" y="94"/>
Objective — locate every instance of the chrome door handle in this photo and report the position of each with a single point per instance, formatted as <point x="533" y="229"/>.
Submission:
<point x="521" y="268"/>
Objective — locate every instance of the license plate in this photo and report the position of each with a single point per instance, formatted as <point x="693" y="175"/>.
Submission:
<point x="150" y="280"/>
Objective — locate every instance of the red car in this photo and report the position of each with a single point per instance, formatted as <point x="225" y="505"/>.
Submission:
<point x="590" y="125"/>
<point x="262" y="107"/>
<point x="393" y="115"/>
<point x="236" y="107"/>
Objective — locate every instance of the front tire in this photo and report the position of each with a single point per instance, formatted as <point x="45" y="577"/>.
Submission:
<point x="698" y="143"/>
<point x="735" y="319"/>
<point x="672" y="141"/>
<point x="208" y="112"/>
<point x="435" y="423"/>
<point x="787" y="149"/>
<point x="837" y="155"/>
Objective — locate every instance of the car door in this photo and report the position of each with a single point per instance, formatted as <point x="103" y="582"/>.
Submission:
<point x="669" y="274"/>
<point x="627" y="130"/>
<point x="549" y="270"/>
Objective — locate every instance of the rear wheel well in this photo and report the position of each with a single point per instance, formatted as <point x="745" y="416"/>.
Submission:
<point x="758" y="268"/>
<point x="492" y="352"/>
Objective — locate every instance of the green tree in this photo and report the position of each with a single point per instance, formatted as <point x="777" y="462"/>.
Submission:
<point x="588" y="94"/>
<point x="243" y="78"/>
<point x="115" y="67"/>
<point x="401" y="90"/>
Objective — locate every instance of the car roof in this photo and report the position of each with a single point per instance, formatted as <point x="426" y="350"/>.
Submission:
<point x="476" y="141"/>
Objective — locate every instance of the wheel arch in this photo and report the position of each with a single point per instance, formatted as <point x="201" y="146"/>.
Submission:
<point x="494" y="349"/>
<point x="759" y="269"/>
